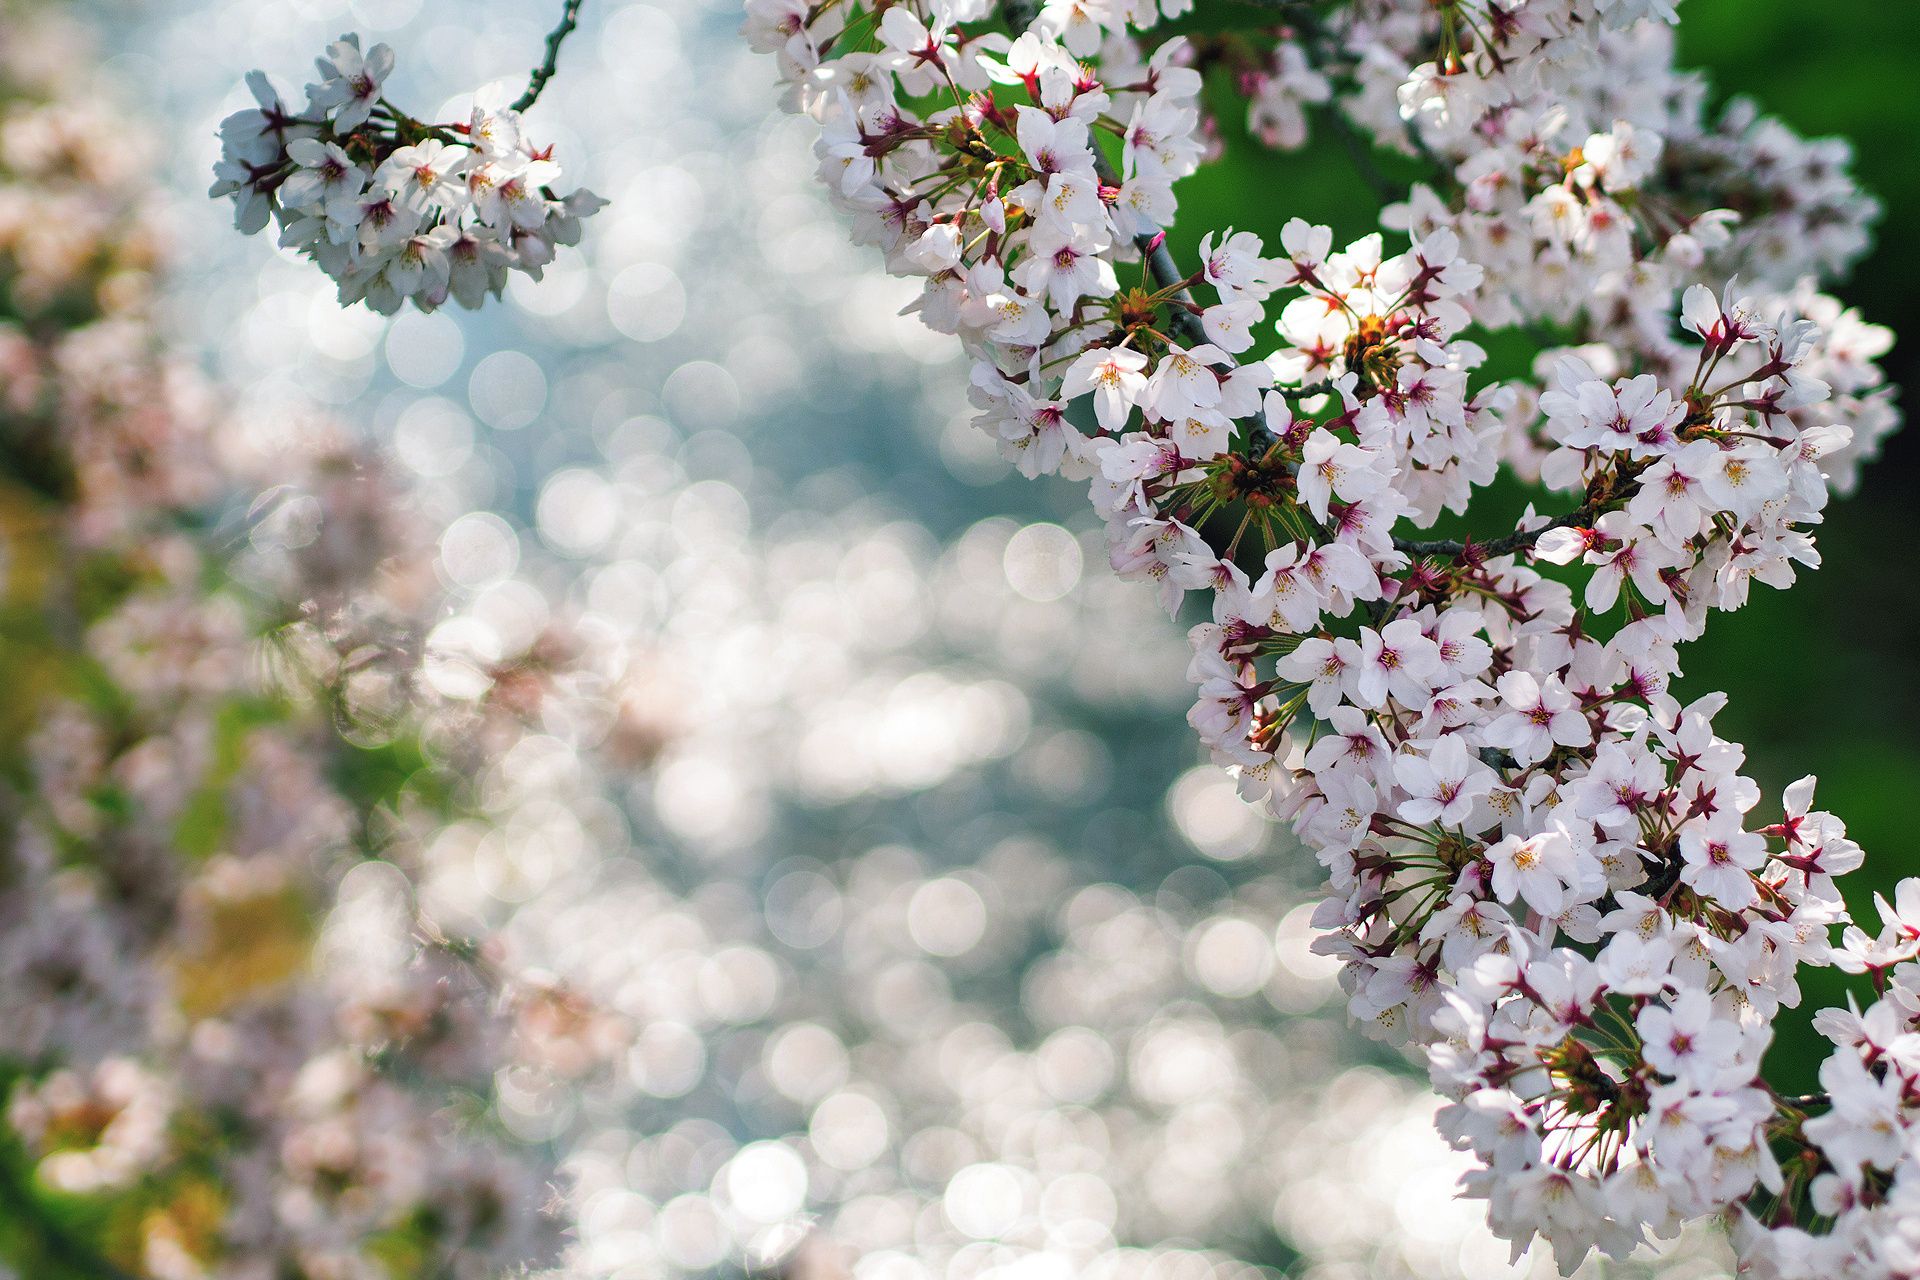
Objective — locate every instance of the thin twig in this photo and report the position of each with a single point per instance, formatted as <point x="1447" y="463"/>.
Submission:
<point x="568" y="21"/>
<point x="1580" y="519"/>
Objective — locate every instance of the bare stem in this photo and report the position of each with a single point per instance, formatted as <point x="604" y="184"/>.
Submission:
<point x="1305" y="393"/>
<point x="1582" y="518"/>
<point x="544" y="72"/>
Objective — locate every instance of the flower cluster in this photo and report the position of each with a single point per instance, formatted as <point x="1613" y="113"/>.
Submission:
<point x="390" y="207"/>
<point x="98" y="1133"/>
<point x="1591" y="140"/>
<point x="1542" y="869"/>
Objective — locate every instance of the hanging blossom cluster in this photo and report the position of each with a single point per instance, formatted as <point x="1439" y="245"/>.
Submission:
<point x="390" y="207"/>
<point x="1542" y="868"/>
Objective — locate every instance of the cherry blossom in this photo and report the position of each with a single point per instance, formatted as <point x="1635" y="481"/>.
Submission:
<point x="378" y="201"/>
<point x="1444" y="786"/>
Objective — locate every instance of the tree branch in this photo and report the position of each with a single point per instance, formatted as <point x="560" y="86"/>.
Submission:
<point x="544" y="72"/>
<point x="1159" y="264"/>
<point x="1523" y="539"/>
<point x="1305" y="393"/>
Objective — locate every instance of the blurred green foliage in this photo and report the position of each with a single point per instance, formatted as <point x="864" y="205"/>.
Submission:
<point x="46" y="1234"/>
<point x="1824" y="679"/>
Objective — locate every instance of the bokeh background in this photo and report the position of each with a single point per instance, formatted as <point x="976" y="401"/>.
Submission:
<point x="707" y="430"/>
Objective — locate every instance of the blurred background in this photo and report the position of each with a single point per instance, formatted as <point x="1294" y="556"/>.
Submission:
<point x="904" y="739"/>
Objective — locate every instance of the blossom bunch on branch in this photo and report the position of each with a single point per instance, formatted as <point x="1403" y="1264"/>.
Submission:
<point x="391" y="207"/>
<point x="1543" y="872"/>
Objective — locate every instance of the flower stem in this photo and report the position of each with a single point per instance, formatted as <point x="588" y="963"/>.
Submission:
<point x="544" y="72"/>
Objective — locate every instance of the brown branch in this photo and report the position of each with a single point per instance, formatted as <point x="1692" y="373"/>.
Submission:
<point x="1581" y="518"/>
<point x="544" y="72"/>
<point x="1307" y="392"/>
<point x="1159" y="263"/>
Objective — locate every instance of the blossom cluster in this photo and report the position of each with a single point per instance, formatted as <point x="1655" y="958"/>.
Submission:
<point x="386" y="205"/>
<point x="1542" y="869"/>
